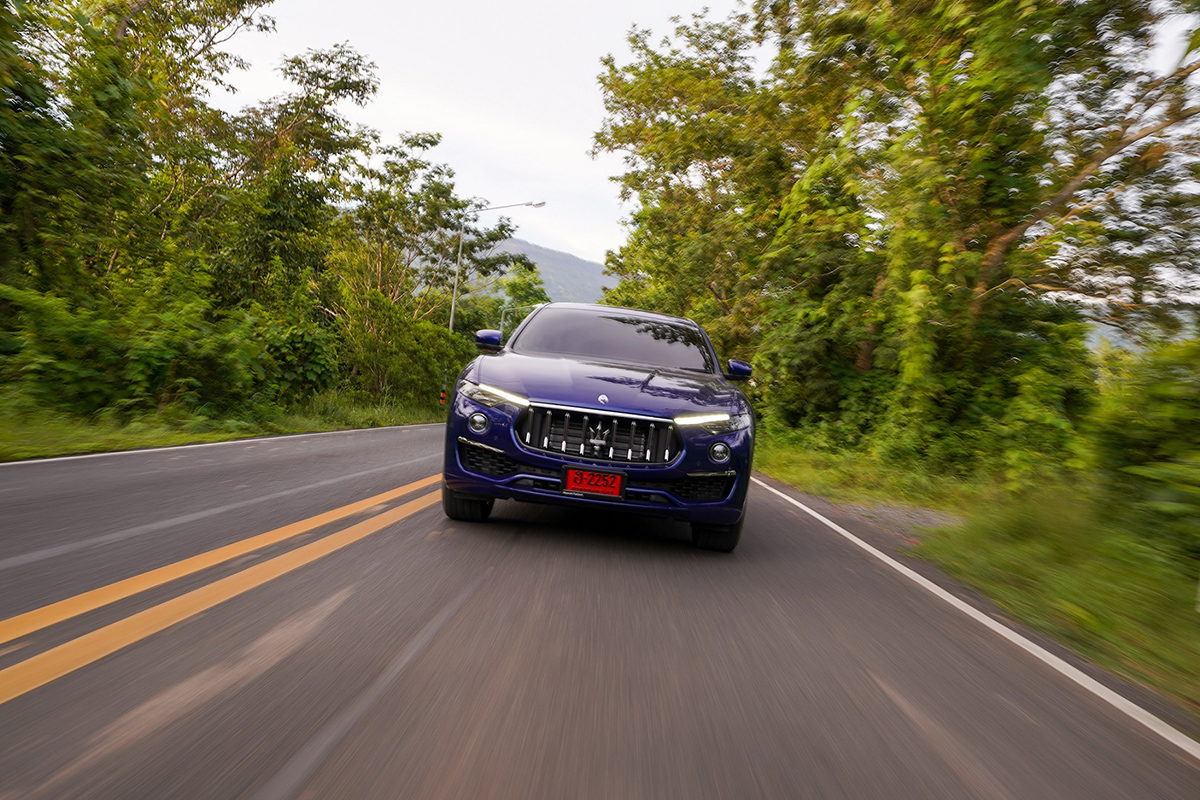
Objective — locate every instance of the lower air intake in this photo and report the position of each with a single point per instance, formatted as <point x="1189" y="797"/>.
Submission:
<point x="479" y="459"/>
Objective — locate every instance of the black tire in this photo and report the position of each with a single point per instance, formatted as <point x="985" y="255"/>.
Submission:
<point x="722" y="538"/>
<point x="464" y="507"/>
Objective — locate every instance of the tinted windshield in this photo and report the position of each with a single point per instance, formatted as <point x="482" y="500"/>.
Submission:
<point x="614" y="337"/>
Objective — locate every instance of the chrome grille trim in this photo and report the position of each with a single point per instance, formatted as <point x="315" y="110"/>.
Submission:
<point x="465" y="440"/>
<point x="602" y="411"/>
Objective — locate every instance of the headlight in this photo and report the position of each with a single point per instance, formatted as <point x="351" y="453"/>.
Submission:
<point x="715" y="423"/>
<point x="490" y="396"/>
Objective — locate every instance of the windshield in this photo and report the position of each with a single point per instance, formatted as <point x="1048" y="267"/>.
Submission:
<point x="616" y="337"/>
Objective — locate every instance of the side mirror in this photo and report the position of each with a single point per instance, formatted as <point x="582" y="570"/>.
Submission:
<point x="738" y="370"/>
<point x="488" y="341"/>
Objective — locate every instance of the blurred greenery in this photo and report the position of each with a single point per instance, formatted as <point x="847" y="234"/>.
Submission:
<point x="1058" y="561"/>
<point x="861" y="477"/>
<point x="1146" y="442"/>
<point x="28" y="429"/>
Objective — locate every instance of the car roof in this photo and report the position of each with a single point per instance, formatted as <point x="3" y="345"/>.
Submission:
<point x="632" y="312"/>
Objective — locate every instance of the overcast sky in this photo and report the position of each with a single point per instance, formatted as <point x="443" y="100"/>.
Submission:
<point x="511" y="86"/>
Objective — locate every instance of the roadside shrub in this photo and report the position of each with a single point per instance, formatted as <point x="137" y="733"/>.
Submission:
<point x="304" y="358"/>
<point x="133" y="359"/>
<point x="1147" y="441"/>
<point x="400" y="359"/>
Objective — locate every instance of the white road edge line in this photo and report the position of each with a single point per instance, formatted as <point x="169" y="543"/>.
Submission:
<point x="173" y="448"/>
<point x="1129" y="708"/>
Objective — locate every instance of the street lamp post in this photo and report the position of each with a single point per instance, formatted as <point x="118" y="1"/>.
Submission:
<point x="458" y="261"/>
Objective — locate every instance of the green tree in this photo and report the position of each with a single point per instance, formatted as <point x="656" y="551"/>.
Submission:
<point x="523" y="290"/>
<point x="399" y="243"/>
<point x="73" y="154"/>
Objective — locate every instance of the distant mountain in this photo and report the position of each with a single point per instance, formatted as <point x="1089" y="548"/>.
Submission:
<point x="566" y="277"/>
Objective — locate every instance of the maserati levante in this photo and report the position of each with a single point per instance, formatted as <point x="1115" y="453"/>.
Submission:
<point x="596" y="406"/>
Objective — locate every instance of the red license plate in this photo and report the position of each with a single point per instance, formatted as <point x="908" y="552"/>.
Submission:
<point x="586" y="481"/>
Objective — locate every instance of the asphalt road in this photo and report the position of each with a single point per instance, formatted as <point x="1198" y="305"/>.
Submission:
<point x="295" y="618"/>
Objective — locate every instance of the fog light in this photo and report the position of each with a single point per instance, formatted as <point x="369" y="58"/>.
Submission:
<point x="719" y="452"/>
<point x="478" y="423"/>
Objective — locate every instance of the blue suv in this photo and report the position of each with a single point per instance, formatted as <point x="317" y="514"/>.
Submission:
<point x="597" y="406"/>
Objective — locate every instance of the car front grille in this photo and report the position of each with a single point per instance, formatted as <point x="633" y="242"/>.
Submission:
<point x="598" y="435"/>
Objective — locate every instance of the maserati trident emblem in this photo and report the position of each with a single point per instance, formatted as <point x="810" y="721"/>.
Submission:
<point x="603" y="399"/>
<point x="598" y="437"/>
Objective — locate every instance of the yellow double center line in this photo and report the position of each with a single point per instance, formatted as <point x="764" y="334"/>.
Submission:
<point x="70" y="656"/>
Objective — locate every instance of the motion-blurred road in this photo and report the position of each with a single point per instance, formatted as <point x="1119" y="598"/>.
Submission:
<point x="294" y="617"/>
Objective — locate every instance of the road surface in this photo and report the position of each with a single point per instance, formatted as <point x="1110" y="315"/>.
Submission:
<point x="295" y="618"/>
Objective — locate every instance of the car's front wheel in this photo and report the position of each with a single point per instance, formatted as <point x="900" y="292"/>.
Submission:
<point x="722" y="538"/>
<point x="465" y="507"/>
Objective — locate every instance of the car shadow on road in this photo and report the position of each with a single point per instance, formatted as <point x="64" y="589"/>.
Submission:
<point x="600" y="529"/>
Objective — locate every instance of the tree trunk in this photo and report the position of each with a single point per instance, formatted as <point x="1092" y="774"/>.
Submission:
<point x="122" y="27"/>
<point x="866" y="348"/>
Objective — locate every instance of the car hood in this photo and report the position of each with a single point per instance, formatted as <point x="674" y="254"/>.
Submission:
<point x="633" y="388"/>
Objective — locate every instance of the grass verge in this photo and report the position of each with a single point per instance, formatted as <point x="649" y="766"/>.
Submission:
<point x="30" y="432"/>
<point x="1055" y="562"/>
<point x="1052" y="559"/>
<point x="859" y="478"/>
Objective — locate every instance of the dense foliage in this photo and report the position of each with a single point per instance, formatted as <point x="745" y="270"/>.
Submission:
<point x="909" y="213"/>
<point x="1148" y="441"/>
<point x="157" y="252"/>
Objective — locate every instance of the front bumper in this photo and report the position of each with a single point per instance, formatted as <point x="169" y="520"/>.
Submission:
<point x="691" y="487"/>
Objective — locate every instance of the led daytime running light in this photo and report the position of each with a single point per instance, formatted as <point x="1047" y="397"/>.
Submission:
<point x="701" y="419"/>
<point x="508" y="397"/>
